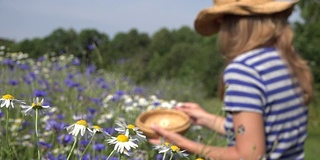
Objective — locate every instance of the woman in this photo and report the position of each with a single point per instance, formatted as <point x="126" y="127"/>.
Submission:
<point x="267" y="85"/>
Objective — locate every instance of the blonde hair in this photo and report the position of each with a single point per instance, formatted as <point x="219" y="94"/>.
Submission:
<point x="239" y="34"/>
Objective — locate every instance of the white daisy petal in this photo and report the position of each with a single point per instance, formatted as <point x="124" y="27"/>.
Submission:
<point x="36" y="105"/>
<point x="8" y="100"/>
<point x="80" y="127"/>
<point x="122" y="143"/>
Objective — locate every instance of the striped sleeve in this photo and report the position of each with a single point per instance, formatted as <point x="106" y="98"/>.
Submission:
<point x="244" y="89"/>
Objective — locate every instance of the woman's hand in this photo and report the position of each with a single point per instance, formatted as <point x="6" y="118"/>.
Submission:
<point x="203" y="118"/>
<point x="168" y="136"/>
<point x="196" y="113"/>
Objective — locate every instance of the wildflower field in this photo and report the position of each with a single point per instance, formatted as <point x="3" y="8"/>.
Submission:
<point x="57" y="108"/>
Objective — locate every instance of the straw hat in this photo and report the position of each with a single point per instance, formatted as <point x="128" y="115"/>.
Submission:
<point x="206" y="21"/>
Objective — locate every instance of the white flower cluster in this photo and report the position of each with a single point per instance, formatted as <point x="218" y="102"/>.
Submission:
<point x="132" y="102"/>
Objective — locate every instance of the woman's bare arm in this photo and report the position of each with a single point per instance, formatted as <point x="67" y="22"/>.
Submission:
<point x="250" y="140"/>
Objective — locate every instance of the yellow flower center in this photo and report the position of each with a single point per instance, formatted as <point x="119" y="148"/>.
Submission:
<point x="36" y="106"/>
<point x="97" y="128"/>
<point x="199" y="159"/>
<point x="175" y="148"/>
<point x="122" y="138"/>
<point x="130" y="126"/>
<point x="166" y="144"/>
<point x="8" y="97"/>
<point x="82" y="122"/>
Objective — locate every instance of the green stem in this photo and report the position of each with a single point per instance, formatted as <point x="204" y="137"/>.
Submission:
<point x="7" y="124"/>
<point x="110" y="155"/>
<point x="7" y="130"/>
<point x="87" y="146"/>
<point x="73" y="146"/>
<point x="37" y="134"/>
<point x="171" y="156"/>
<point x="164" y="156"/>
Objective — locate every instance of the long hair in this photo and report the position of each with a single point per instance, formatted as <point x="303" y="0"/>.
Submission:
<point x="239" y="34"/>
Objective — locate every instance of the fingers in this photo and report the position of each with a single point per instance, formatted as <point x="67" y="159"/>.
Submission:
<point x="188" y="105"/>
<point x="167" y="135"/>
<point x="158" y="129"/>
<point x="188" y="111"/>
<point x="155" y="141"/>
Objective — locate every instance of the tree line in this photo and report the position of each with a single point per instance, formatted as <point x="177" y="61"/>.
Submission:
<point x="167" y="54"/>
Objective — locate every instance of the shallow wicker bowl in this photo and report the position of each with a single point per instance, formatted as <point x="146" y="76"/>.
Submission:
<point x="169" y="119"/>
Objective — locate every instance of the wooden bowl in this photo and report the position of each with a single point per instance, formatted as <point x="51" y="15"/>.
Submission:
<point x="169" y="119"/>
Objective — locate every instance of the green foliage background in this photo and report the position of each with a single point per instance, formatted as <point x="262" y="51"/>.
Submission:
<point x="169" y="54"/>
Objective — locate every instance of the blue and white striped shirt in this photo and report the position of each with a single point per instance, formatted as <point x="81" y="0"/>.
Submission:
<point x="260" y="81"/>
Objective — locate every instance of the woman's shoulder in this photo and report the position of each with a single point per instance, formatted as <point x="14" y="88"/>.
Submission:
<point x="255" y="55"/>
<point x="252" y="62"/>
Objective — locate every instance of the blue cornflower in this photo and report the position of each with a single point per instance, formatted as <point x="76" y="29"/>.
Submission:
<point x="13" y="82"/>
<point x="100" y="80"/>
<point x="120" y="93"/>
<point x="81" y="88"/>
<point x="99" y="146"/>
<point x="39" y="93"/>
<point x="70" y="76"/>
<point x="138" y="90"/>
<point x="97" y="101"/>
<point x="65" y="139"/>
<point x="159" y="157"/>
<point x="1" y="114"/>
<point x="33" y="75"/>
<point x="91" y="46"/>
<point x="40" y="59"/>
<point x="60" y="116"/>
<point x="110" y="130"/>
<point x="26" y="80"/>
<point x="76" y="61"/>
<point x="84" y="142"/>
<point x="91" y="69"/>
<point x="45" y="144"/>
<point x="8" y="62"/>
<point x="24" y="67"/>
<point x="54" y="125"/>
<point x="70" y="83"/>
<point x="99" y="157"/>
<point x="105" y="85"/>
<point x="86" y="157"/>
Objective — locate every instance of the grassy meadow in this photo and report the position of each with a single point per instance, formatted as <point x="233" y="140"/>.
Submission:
<point x="75" y="91"/>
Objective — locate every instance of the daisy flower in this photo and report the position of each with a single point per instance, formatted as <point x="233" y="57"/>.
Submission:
<point x="130" y="129"/>
<point x="122" y="143"/>
<point x="81" y="127"/>
<point x="99" y="132"/>
<point x="171" y="149"/>
<point x="8" y="100"/>
<point x="36" y="105"/>
<point x="96" y="131"/>
<point x="162" y="146"/>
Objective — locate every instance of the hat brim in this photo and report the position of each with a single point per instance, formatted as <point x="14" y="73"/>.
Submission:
<point x="206" y="21"/>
